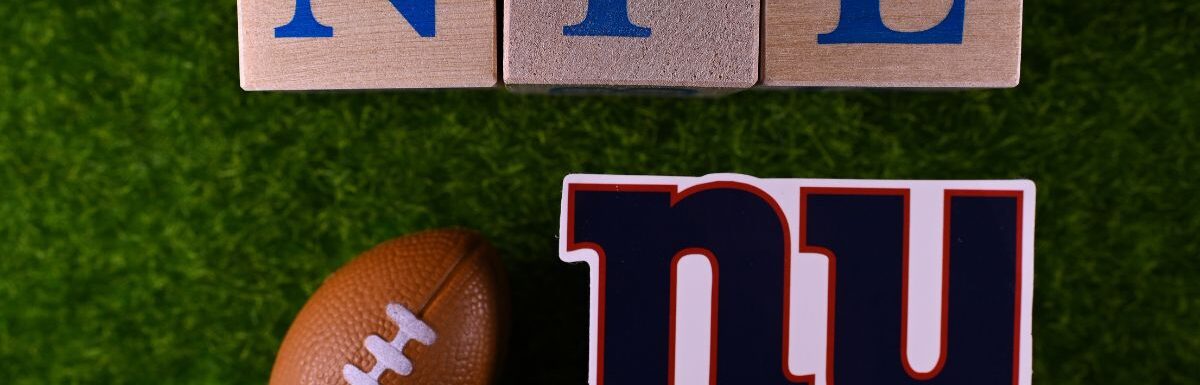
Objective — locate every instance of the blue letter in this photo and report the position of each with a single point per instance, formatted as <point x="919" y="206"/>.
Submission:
<point x="419" y="13"/>
<point x="861" y="22"/>
<point x="303" y="23"/>
<point x="607" y="18"/>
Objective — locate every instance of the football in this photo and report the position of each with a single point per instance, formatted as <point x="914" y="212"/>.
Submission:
<point x="427" y="308"/>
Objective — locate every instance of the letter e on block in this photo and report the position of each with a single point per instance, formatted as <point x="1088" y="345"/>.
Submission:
<point x="892" y="43"/>
<point x="366" y="44"/>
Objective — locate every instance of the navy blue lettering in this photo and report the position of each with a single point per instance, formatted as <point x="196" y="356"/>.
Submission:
<point x="639" y="232"/>
<point x="865" y="233"/>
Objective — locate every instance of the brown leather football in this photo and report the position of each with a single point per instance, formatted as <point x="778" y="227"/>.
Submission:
<point x="428" y="308"/>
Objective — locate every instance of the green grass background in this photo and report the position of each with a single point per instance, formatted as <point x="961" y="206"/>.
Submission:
<point x="159" y="225"/>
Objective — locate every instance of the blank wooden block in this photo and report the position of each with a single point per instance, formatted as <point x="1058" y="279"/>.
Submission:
<point x="636" y="46"/>
<point x="892" y="43"/>
<point x="366" y="44"/>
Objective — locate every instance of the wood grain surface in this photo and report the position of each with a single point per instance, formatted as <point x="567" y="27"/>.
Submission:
<point x="373" y="47"/>
<point x="700" y="46"/>
<point x="989" y="55"/>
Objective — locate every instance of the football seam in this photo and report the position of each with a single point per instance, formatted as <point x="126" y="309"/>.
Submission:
<point x="473" y="247"/>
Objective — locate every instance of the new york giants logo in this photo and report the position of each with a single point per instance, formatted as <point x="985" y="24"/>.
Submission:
<point x="731" y="279"/>
<point x="389" y="355"/>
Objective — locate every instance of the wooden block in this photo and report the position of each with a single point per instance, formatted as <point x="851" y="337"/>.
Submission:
<point x="638" y="46"/>
<point x="366" y="44"/>
<point x="892" y="43"/>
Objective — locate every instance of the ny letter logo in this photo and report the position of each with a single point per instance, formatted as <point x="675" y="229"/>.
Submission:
<point x="736" y="280"/>
<point x="420" y="14"/>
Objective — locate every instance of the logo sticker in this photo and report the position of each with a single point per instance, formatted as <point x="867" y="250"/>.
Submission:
<point x="732" y="279"/>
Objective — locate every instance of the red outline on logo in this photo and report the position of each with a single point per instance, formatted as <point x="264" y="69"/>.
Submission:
<point x="677" y="196"/>
<point x="712" y="338"/>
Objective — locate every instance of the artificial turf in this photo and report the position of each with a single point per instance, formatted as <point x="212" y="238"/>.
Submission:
<point x="159" y="225"/>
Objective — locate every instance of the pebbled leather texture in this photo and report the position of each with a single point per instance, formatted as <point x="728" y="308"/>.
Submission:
<point x="451" y="279"/>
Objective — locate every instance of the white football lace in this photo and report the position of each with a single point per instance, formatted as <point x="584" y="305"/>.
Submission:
<point x="390" y="355"/>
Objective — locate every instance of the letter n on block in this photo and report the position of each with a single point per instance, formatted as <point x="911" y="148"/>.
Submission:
<point x="892" y="43"/>
<point x="671" y="47"/>
<point x="366" y="44"/>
